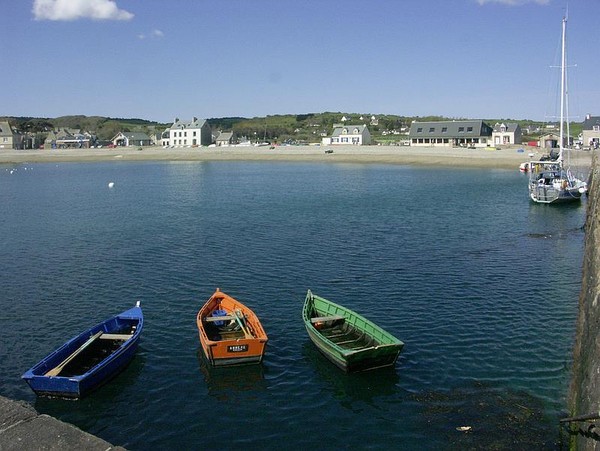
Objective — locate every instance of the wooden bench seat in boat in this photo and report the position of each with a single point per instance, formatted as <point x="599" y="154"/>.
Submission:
<point x="331" y="336"/>
<point x="231" y="334"/>
<point x="115" y="336"/>
<point x="212" y="319"/>
<point x="345" y="342"/>
<point x="326" y="319"/>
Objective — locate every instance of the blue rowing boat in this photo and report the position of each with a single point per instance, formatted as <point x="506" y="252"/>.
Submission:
<point x="90" y="359"/>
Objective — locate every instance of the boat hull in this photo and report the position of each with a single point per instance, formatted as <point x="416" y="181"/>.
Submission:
<point x="224" y="342"/>
<point x="550" y="194"/>
<point x="347" y="339"/>
<point x="102" y="359"/>
<point x="550" y="183"/>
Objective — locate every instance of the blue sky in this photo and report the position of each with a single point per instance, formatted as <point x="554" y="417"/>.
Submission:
<point x="160" y="59"/>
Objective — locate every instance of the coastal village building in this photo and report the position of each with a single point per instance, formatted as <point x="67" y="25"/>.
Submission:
<point x="127" y="139"/>
<point x="67" y="139"/>
<point x="472" y="133"/>
<point x="9" y="138"/>
<point x="506" y="134"/>
<point x="156" y="138"/>
<point x="591" y="132"/>
<point x="551" y="140"/>
<point x="187" y="134"/>
<point x="224" y="139"/>
<point x="357" y="135"/>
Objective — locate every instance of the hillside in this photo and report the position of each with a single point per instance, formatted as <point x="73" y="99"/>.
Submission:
<point x="289" y="128"/>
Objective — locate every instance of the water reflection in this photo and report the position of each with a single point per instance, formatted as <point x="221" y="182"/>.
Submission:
<point x="352" y="388"/>
<point x="224" y="381"/>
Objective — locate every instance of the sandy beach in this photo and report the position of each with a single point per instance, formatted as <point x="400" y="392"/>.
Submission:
<point x="505" y="158"/>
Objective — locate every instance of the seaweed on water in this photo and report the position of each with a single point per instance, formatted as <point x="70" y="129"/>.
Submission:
<point x="488" y="418"/>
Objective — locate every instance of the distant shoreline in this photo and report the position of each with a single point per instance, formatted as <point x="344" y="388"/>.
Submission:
<point x="504" y="158"/>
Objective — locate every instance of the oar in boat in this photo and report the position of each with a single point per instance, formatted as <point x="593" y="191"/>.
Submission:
<point x="56" y="371"/>
<point x="239" y="318"/>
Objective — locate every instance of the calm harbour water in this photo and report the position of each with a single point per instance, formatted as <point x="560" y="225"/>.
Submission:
<point x="480" y="284"/>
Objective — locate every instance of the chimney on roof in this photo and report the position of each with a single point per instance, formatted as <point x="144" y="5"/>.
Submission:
<point x="195" y="119"/>
<point x="588" y="117"/>
<point x="176" y="120"/>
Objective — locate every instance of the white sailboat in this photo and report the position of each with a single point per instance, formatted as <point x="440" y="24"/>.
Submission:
<point x="551" y="181"/>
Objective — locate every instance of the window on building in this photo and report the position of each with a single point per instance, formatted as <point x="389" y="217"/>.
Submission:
<point x="194" y="132"/>
<point x="469" y="129"/>
<point x="596" y="128"/>
<point x="431" y="129"/>
<point x="461" y="129"/>
<point x="444" y="129"/>
<point x="420" y="130"/>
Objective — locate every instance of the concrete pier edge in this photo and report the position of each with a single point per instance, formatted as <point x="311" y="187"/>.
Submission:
<point x="584" y="391"/>
<point x="23" y="428"/>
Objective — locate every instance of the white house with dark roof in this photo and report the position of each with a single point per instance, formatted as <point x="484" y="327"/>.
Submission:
<point x="591" y="131"/>
<point x="357" y="135"/>
<point x="9" y="138"/>
<point x="128" y="139"/>
<point x="507" y="133"/>
<point x="469" y="133"/>
<point x="192" y="133"/>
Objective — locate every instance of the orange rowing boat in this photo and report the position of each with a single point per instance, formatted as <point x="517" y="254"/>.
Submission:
<point x="230" y="333"/>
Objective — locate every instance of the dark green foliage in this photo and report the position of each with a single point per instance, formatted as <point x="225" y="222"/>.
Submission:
<point x="289" y="128"/>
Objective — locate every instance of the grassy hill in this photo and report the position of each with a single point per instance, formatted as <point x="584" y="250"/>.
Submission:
<point x="288" y="128"/>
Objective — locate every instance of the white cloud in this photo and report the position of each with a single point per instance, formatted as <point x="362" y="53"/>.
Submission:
<point x="157" y="34"/>
<point x="514" y="2"/>
<point x="78" y="9"/>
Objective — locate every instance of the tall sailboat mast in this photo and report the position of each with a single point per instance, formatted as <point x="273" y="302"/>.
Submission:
<point x="563" y="65"/>
<point x="552" y="182"/>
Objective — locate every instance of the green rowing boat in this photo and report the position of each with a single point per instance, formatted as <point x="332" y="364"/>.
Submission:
<point x="346" y="338"/>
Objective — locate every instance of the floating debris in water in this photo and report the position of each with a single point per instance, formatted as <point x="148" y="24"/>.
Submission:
<point x="111" y="184"/>
<point x="491" y="418"/>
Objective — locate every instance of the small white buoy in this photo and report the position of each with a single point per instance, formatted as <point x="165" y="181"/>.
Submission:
<point x="111" y="184"/>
